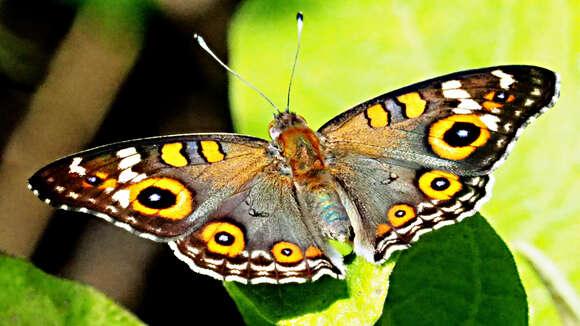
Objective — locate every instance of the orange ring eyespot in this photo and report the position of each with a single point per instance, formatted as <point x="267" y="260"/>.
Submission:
<point x="163" y="197"/>
<point x="401" y="214"/>
<point x="223" y="238"/>
<point x="439" y="185"/>
<point x="457" y="136"/>
<point x="286" y="252"/>
<point x="95" y="180"/>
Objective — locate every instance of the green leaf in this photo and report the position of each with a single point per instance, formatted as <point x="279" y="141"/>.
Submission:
<point x="463" y="274"/>
<point x="357" y="300"/>
<point x="29" y="296"/>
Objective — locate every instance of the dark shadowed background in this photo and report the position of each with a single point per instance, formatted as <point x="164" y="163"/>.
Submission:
<point x="79" y="74"/>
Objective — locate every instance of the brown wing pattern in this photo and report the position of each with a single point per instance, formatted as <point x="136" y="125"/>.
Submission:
<point x="420" y="157"/>
<point x="259" y="236"/>
<point x="159" y="188"/>
<point x="464" y="122"/>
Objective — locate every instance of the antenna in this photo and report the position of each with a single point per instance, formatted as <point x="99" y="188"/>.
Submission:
<point x="299" y="23"/>
<point x="204" y="46"/>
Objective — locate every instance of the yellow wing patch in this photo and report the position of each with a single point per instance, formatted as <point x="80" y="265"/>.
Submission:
<point x="210" y="150"/>
<point x="171" y="154"/>
<point x="377" y="116"/>
<point x="414" y="104"/>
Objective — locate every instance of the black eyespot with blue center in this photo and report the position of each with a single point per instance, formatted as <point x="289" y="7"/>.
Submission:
<point x="156" y="198"/>
<point x="93" y="180"/>
<point x="461" y="134"/>
<point x="440" y="184"/>
<point x="224" y="238"/>
<point x="286" y="252"/>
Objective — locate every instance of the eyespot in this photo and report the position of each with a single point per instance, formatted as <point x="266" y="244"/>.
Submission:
<point x="163" y="197"/>
<point x="500" y="97"/>
<point x="457" y="136"/>
<point x="401" y="214"/>
<point x="92" y="181"/>
<point x="223" y="238"/>
<point x="497" y="99"/>
<point x="286" y="252"/>
<point x="439" y="185"/>
<point x="99" y="180"/>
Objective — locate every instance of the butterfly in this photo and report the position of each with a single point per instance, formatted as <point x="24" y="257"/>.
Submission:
<point x="378" y="176"/>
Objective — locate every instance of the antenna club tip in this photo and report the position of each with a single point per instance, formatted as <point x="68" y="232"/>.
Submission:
<point x="299" y="16"/>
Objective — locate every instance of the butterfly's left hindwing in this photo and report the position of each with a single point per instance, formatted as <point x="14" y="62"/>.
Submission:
<point x="259" y="236"/>
<point x="159" y="188"/>
<point x="420" y="157"/>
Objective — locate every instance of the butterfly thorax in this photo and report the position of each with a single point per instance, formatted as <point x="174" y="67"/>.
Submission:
<point x="299" y="145"/>
<point x="301" y="148"/>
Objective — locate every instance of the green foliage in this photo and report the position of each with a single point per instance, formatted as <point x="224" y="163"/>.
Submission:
<point x="357" y="300"/>
<point x="354" y="51"/>
<point x="460" y="275"/>
<point x="29" y="296"/>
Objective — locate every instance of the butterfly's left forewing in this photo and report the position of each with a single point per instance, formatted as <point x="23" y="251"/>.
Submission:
<point x="159" y="188"/>
<point x="420" y="157"/>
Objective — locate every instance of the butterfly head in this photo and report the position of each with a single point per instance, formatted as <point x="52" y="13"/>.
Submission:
<point x="284" y="121"/>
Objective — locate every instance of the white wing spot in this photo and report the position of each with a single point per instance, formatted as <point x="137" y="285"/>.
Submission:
<point x="469" y="104"/>
<point x="505" y="80"/>
<point x="122" y="197"/>
<point x="451" y="84"/>
<point x="529" y="102"/>
<point x="127" y="175"/>
<point x="72" y="195"/>
<point x="74" y="167"/>
<point x="126" y="152"/>
<point x="490" y="121"/>
<point x="129" y="161"/>
<point x="456" y="93"/>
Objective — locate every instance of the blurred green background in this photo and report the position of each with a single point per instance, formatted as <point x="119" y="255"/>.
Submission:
<point x="75" y="74"/>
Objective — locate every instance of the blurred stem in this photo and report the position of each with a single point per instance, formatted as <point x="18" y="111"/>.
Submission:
<point x="562" y="292"/>
<point x="83" y="79"/>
